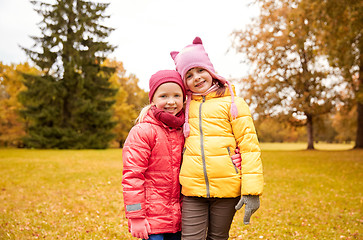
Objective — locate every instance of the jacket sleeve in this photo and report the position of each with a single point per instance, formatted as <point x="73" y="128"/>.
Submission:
<point x="135" y="157"/>
<point x="247" y="142"/>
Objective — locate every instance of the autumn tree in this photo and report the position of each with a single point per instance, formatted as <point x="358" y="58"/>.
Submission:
<point x="344" y="122"/>
<point x="324" y="129"/>
<point x="12" y="127"/>
<point x="339" y="30"/>
<point x="130" y="98"/>
<point x="69" y="105"/>
<point x="271" y="129"/>
<point x="287" y="78"/>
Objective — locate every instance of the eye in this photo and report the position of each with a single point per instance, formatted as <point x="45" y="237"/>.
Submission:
<point x="201" y="70"/>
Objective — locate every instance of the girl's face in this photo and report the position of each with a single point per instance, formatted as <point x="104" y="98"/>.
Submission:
<point x="169" y="98"/>
<point x="198" y="80"/>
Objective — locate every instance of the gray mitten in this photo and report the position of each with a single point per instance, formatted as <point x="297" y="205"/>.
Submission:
<point x="252" y="204"/>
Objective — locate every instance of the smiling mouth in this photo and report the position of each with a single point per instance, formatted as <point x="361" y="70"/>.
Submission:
<point x="170" y="109"/>
<point x="199" y="84"/>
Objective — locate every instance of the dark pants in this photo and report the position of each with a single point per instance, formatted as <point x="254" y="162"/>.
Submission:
<point x="207" y="218"/>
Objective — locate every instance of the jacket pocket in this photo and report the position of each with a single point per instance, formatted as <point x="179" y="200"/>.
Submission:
<point x="229" y="153"/>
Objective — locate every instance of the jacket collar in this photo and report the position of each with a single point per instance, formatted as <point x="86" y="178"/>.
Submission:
<point x="213" y="95"/>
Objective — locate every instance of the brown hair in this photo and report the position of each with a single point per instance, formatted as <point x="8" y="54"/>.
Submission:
<point x="221" y="88"/>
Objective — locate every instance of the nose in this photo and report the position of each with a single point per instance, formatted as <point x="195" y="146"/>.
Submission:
<point x="196" y="76"/>
<point x="171" y="101"/>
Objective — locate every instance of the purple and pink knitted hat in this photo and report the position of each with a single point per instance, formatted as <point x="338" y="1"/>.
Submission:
<point x="194" y="55"/>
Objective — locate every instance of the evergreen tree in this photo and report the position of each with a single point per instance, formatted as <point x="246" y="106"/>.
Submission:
<point x="69" y="104"/>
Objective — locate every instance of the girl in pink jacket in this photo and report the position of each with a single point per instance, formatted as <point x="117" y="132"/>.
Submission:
<point x="151" y="158"/>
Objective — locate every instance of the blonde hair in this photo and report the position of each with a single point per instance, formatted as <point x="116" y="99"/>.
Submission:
<point x="142" y="114"/>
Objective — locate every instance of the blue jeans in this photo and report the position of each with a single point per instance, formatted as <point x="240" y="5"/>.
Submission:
<point x="166" y="236"/>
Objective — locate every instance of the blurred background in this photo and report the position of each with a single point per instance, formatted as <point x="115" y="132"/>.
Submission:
<point x="74" y="74"/>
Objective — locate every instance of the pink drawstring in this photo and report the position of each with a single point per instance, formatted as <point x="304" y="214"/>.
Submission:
<point x="186" y="128"/>
<point x="234" y="110"/>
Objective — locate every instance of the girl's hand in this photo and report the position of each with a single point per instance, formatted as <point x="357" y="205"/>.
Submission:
<point x="236" y="158"/>
<point x="140" y="228"/>
<point x="252" y="203"/>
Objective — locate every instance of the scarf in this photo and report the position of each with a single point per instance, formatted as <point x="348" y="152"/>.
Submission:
<point x="169" y="119"/>
<point x="213" y="88"/>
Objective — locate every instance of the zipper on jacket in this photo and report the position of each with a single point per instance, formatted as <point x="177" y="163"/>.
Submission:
<point x="202" y="149"/>
<point x="229" y="153"/>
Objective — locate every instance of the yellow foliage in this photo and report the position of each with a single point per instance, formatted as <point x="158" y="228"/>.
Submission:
<point x="12" y="127"/>
<point x="129" y="100"/>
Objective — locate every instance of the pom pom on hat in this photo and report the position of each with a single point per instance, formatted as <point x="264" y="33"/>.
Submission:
<point x="197" y="40"/>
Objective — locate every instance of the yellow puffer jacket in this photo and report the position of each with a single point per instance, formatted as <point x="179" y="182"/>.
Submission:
<point x="207" y="169"/>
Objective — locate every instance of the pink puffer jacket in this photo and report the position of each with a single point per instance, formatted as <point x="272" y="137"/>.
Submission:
<point x="151" y="163"/>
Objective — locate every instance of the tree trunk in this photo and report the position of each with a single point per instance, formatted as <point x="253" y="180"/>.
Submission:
<point x="359" y="138"/>
<point x="310" y="132"/>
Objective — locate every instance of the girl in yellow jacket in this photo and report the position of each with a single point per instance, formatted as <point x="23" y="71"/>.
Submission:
<point x="216" y="124"/>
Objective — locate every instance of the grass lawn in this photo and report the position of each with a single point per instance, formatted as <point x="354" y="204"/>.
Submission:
<point x="303" y="146"/>
<point x="76" y="194"/>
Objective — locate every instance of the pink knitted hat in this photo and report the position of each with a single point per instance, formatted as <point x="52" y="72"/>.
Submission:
<point x="191" y="56"/>
<point x="164" y="76"/>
